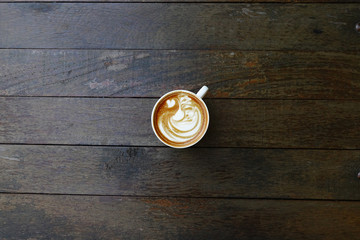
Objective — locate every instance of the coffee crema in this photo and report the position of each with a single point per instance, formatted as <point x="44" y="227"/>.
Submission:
<point x="180" y="119"/>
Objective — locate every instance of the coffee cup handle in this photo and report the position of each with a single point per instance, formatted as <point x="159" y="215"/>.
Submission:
<point x="201" y="93"/>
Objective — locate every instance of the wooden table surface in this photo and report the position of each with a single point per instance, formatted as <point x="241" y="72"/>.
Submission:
<point x="280" y="160"/>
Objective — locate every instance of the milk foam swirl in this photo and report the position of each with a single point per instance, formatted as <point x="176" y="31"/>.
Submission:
<point x="180" y="119"/>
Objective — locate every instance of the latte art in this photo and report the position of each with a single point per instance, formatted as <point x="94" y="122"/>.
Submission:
<point x="180" y="118"/>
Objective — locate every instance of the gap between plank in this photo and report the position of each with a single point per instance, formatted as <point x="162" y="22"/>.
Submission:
<point x="160" y="146"/>
<point x="175" y="197"/>
<point x="215" y="98"/>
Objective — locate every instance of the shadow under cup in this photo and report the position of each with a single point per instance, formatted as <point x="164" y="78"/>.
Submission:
<point x="180" y="119"/>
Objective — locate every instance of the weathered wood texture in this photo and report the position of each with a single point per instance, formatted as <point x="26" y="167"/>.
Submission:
<point x="279" y="54"/>
<point x="317" y="27"/>
<point x="80" y="217"/>
<point x="233" y="123"/>
<point x="195" y="172"/>
<point x="229" y="74"/>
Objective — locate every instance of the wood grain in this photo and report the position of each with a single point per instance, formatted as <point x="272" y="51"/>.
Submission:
<point x="233" y="123"/>
<point x="284" y="104"/>
<point x="228" y="74"/>
<point x="329" y="27"/>
<point x="79" y="217"/>
<point x="195" y="172"/>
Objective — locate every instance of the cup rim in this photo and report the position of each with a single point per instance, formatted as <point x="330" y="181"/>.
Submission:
<point x="171" y="92"/>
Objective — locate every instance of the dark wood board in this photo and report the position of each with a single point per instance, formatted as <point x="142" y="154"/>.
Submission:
<point x="79" y="160"/>
<point x="233" y="123"/>
<point x="315" y="27"/>
<point x="228" y="74"/>
<point x="90" y="217"/>
<point x="195" y="172"/>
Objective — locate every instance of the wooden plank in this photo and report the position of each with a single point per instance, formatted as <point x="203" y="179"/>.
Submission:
<point x="229" y="74"/>
<point x="329" y="27"/>
<point x="80" y="217"/>
<point x="195" y="172"/>
<point x="233" y="123"/>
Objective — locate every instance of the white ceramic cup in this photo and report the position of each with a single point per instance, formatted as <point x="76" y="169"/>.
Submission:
<point x="205" y="120"/>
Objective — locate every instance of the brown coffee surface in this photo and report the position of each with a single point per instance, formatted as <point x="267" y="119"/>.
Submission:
<point x="180" y="119"/>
